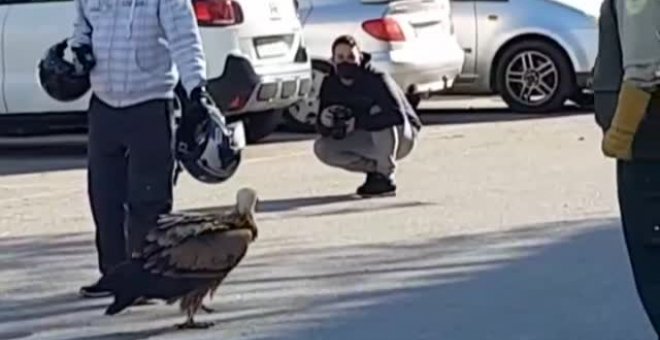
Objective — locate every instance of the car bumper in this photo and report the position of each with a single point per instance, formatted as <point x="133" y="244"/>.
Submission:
<point x="584" y="44"/>
<point x="422" y="69"/>
<point x="243" y="88"/>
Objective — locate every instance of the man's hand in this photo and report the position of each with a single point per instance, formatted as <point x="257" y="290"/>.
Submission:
<point x="193" y="120"/>
<point x="631" y="109"/>
<point x="202" y="104"/>
<point x="84" y="57"/>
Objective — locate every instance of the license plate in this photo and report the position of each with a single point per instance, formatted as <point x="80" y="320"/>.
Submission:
<point x="269" y="48"/>
<point x="428" y="30"/>
<point x="238" y="132"/>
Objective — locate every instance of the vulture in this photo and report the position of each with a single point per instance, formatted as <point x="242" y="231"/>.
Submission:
<point x="184" y="258"/>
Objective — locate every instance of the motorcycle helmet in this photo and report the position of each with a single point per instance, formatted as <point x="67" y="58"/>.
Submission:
<point x="210" y="150"/>
<point x="62" y="80"/>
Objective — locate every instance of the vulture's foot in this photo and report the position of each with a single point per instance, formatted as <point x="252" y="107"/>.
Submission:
<point x="206" y="309"/>
<point x="191" y="324"/>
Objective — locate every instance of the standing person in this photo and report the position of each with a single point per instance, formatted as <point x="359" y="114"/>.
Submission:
<point x="130" y="48"/>
<point x="365" y="120"/>
<point x="627" y="105"/>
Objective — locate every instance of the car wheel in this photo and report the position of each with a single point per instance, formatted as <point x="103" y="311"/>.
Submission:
<point x="534" y="76"/>
<point x="258" y="125"/>
<point x="301" y="116"/>
<point x="414" y="100"/>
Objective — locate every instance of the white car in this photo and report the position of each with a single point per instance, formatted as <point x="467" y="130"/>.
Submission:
<point x="257" y="63"/>
<point x="412" y="40"/>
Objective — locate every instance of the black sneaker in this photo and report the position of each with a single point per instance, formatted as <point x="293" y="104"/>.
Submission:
<point x="367" y="182"/>
<point x="94" y="291"/>
<point x="377" y="185"/>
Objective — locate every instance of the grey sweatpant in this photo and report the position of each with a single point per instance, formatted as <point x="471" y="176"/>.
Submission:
<point x="130" y="168"/>
<point x="368" y="151"/>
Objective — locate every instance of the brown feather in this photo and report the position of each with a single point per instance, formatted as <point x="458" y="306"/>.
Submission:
<point x="198" y="245"/>
<point x="212" y="254"/>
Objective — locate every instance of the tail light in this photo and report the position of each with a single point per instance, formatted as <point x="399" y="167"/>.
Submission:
<point x="384" y="29"/>
<point x="218" y="12"/>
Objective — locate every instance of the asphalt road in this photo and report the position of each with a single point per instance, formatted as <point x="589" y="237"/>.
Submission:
<point x="505" y="227"/>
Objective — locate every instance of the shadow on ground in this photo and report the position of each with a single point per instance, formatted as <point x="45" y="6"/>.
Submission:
<point x="490" y="115"/>
<point x="297" y="207"/>
<point x="567" y="280"/>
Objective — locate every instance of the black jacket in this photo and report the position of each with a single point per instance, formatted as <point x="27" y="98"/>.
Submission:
<point x="608" y="75"/>
<point x="369" y="89"/>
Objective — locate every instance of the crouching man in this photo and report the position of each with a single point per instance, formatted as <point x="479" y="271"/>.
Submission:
<point x="365" y="121"/>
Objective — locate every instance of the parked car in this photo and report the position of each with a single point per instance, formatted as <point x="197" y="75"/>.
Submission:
<point x="413" y="40"/>
<point x="257" y="63"/>
<point x="535" y="53"/>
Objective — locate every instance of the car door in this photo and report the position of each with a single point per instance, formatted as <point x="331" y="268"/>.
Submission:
<point x="463" y="13"/>
<point x="31" y="27"/>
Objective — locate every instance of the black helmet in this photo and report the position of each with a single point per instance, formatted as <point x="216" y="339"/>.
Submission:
<point x="210" y="150"/>
<point x="62" y="80"/>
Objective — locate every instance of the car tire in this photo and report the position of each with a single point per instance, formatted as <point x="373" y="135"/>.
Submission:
<point x="258" y="125"/>
<point x="301" y="116"/>
<point x="534" y="67"/>
<point x="414" y="99"/>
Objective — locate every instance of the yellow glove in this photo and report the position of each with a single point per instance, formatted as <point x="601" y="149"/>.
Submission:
<point x="631" y="108"/>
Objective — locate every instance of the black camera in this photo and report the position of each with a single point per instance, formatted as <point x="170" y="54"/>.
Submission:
<point x="341" y="116"/>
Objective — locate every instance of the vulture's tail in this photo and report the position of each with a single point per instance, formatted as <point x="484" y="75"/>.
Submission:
<point x="121" y="275"/>
<point x="120" y="303"/>
<point x="124" y="281"/>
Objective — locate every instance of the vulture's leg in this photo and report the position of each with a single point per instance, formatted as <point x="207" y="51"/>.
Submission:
<point x="191" y="324"/>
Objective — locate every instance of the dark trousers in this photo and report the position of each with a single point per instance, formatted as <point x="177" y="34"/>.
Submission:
<point x="639" y="201"/>
<point x="130" y="168"/>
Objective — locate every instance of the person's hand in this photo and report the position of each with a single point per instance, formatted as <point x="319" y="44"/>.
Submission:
<point x="631" y="109"/>
<point x="337" y="121"/>
<point x="326" y="118"/>
<point x="202" y="105"/>
<point x="200" y="96"/>
<point x="193" y="120"/>
<point x="84" y="57"/>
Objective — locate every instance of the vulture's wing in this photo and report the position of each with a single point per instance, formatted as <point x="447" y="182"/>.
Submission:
<point x="173" y="228"/>
<point x="209" y="254"/>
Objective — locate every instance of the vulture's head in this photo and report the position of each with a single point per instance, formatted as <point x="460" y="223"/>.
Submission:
<point x="246" y="205"/>
<point x="246" y="201"/>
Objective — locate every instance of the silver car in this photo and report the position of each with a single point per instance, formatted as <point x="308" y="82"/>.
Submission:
<point x="413" y="40"/>
<point x="535" y="53"/>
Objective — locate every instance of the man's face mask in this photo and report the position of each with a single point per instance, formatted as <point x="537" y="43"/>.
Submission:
<point x="348" y="70"/>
